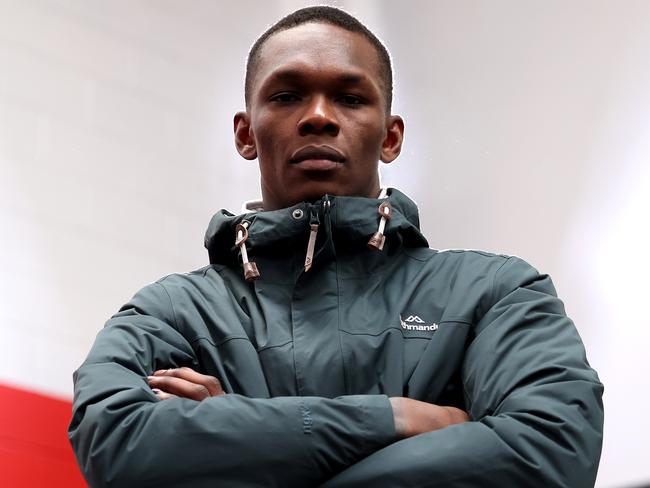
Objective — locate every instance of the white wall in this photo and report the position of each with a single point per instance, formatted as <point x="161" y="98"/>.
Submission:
<point x="528" y="132"/>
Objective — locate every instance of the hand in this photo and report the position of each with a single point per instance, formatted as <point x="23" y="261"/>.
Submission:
<point x="184" y="382"/>
<point x="413" y="417"/>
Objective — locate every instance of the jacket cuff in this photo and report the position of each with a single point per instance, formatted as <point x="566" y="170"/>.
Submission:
<point x="378" y="421"/>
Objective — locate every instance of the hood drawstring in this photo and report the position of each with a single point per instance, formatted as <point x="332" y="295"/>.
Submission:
<point x="241" y="236"/>
<point x="376" y="242"/>
<point x="314" y="223"/>
<point x="378" y="239"/>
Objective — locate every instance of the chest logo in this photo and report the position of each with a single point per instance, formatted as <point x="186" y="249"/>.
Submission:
<point x="413" y="322"/>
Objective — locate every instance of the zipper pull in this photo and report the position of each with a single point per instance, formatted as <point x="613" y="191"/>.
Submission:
<point x="314" y="223"/>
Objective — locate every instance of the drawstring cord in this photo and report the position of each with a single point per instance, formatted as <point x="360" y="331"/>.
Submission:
<point x="376" y="242"/>
<point x="385" y="210"/>
<point x="241" y="236"/>
<point x="314" y="223"/>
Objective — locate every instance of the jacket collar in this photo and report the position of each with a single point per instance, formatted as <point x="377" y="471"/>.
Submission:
<point x="348" y="221"/>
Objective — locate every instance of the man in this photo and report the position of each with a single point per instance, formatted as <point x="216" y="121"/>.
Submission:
<point x="326" y="343"/>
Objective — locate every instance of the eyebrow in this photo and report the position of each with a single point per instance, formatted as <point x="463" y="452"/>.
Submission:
<point x="295" y="75"/>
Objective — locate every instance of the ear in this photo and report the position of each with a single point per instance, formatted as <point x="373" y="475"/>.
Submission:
<point x="392" y="145"/>
<point x="244" y="139"/>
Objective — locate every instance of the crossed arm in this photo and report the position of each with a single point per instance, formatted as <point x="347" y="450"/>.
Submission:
<point x="411" y="417"/>
<point x="537" y="416"/>
<point x="124" y="435"/>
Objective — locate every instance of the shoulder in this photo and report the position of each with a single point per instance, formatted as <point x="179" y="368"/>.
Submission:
<point x="197" y="279"/>
<point x="469" y="268"/>
<point x="477" y="279"/>
<point x="473" y="262"/>
<point x="158" y="298"/>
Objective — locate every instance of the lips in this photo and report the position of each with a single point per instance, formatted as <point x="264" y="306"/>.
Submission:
<point x="319" y="158"/>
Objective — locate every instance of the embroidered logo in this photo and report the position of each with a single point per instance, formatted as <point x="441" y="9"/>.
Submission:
<point x="413" y="322"/>
<point x="307" y="420"/>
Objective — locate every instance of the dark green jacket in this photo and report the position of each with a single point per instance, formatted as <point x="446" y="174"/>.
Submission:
<point x="310" y="359"/>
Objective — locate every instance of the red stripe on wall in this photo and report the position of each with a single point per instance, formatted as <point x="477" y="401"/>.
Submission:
<point x="34" y="448"/>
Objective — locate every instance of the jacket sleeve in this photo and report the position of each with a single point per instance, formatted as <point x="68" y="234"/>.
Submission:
<point x="535" y="404"/>
<point x="124" y="436"/>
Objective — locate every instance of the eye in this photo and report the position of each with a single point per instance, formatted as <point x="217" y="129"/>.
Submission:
<point x="285" y="98"/>
<point x="351" y="100"/>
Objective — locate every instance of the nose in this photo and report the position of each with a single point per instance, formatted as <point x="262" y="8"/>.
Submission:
<point x="319" y="118"/>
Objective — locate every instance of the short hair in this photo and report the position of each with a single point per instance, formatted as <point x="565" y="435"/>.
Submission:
<point x="325" y="15"/>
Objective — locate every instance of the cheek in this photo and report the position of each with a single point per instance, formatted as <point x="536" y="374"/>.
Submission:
<point x="268" y="135"/>
<point x="271" y="144"/>
<point x="370" y="137"/>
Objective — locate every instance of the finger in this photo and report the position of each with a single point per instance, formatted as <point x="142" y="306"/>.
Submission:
<point x="162" y="395"/>
<point x="179" y="387"/>
<point x="210" y="382"/>
<point x="457" y="415"/>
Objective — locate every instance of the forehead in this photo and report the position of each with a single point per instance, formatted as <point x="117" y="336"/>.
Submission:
<point x="318" y="47"/>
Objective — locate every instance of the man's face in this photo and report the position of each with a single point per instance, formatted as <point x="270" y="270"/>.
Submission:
<point x="317" y="119"/>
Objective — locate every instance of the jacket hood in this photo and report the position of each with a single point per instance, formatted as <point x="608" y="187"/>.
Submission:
<point x="346" y="221"/>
